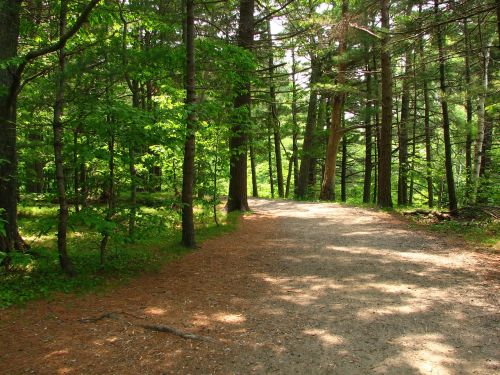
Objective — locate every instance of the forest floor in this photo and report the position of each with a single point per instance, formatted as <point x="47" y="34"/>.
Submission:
<point x="298" y="288"/>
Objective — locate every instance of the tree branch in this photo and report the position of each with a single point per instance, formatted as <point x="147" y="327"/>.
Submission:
<point x="269" y="15"/>
<point x="33" y="54"/>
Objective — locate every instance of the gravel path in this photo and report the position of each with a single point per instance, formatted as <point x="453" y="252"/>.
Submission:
<point x="299" y="288"/>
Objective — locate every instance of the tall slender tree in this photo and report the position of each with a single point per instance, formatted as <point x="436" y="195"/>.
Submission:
<point x="237" y="197"/>
<point x="57" y="125"/>
<point x="188" y="233"/>
<point x="384" y="198"/>
<point x="450" y="180"/>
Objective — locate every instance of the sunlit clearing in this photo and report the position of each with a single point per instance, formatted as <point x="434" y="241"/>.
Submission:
<point x="326" y="338"/>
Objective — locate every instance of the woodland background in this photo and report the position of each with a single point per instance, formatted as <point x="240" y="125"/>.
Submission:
<point x="124" y="125"/>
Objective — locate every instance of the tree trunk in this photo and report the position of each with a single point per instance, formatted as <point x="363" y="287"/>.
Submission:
<point x="413" y="143"/>
<point x="270" y="155"/>
<point x="368" y="134"/>
<point x="336" y="131"/>
<point x="188" y="234"/>
<point x="274" y="116"/>
<point x="343" y="173"/>
<point x="403" y="135"/>
<point x="9" y="87"/>
<point x="427" y="127"/>
<point x="385" y="148"/>
<point x="375" y="159"/>
<point x="76" y="169"/>
<point x="57" y="125"/>
<point x="485" y="187"/>
<point x="307" y="145"/>
<point x="289" y="176"/>
<point x="110" y="194"/>
<point x="468" y="108"/>
<point x="134" y="88"/>
<point x="452" y="197"/>
<point x="335" y="135"/>
<point x="237" y="197"/>
<point x="478" y="147"/>
<point x="253" y="169"/>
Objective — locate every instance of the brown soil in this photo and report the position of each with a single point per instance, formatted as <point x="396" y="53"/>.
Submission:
<point x="299" y="288"/>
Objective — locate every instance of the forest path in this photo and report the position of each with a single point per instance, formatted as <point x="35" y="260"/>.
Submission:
<point x="299" y="288"/>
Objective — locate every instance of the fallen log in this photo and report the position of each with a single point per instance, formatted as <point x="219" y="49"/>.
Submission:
<point x="429" y="213"/>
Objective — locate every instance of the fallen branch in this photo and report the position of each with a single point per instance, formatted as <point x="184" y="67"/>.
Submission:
<point x="174" y="331"/>
<point x="152" y="327"/>
<point x="110" y="315"/>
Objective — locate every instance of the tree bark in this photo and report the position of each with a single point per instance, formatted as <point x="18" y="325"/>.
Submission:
<point x="385" y="146"/>
<point x="110" y="194"/>
<point x="274" y="116"/>
<point x="295" y="134"/>
<point x="188" y="233"/>
<point x="307" y="145"/>
<point x="427" y="127"/>
<point x="237" y="197"/>
<point x="468" y="108"/>
<point x="478" y="147"/>
<point x="368" y="135"/>
<point x="450" y="181"/>
<point x="270" y="155"/>
<point x="403" y="135"/>
<point x="343" y="173"/>
<point x="413" y="142"/>
<point x="9" y="85"/>
<point x="335" y="135"/>
<point x="57" y="125"/>
<point x="336" y="131"/>
<point x="253" y="168"/>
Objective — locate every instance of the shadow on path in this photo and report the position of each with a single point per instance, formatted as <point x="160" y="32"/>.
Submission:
<point x="299" y="288"/>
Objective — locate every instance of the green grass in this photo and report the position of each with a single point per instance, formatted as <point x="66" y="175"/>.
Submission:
<point x="485" y="233"/>
<point x="157" y="243"/>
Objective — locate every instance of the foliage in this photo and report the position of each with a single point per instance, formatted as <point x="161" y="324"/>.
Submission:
<point x="36" y="274"/>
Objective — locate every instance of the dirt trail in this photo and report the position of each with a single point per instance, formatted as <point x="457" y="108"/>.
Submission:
<point x="299" y="288"/>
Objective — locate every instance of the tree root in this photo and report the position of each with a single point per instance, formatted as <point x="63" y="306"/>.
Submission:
<point x="152" y="327"/>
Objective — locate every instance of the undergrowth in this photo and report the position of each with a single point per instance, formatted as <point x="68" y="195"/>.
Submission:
<point x="485" y="233"/>
<point x="157" y="241"/>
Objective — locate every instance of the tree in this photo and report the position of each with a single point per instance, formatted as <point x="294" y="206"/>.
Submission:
<point x="57" y="124"/>
<point x="237" y="196"/>
<point x="385" y="149"/>
<point x="188" y="235"/>
<point x="450" y="181"/>
<point x="336" y="132"/>
<point x="10" y="85"/>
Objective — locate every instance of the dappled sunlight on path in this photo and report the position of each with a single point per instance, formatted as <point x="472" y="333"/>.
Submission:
<point x="299" y="288"/>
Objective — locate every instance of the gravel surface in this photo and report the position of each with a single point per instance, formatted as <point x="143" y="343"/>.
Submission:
<point x="299" y="288"/>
